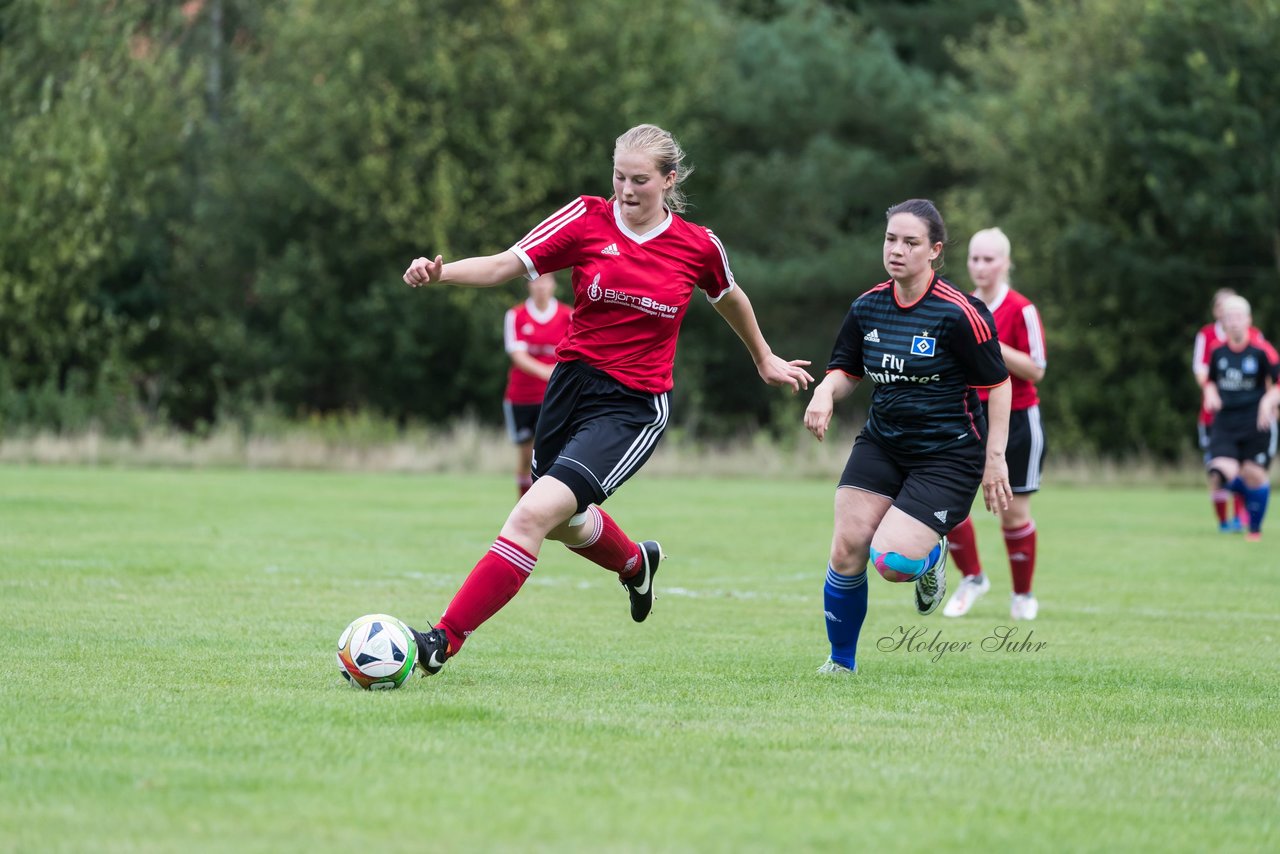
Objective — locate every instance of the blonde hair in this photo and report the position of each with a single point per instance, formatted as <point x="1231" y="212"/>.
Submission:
<point x="1235" y="301"/>
<point x="667" y="156"/>
<point x="997" y="236"/>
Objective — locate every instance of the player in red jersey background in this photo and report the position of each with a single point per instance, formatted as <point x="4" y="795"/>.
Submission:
<point x="636" y="264"/>
<point x="530" y="331"/>
<point x="1021" y="337"/>
<point x="1210" y="337"/>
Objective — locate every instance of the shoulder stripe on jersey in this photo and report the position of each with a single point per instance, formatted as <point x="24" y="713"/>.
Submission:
<point x="873" y="290"/>
<point x="981" y="331"/>
<point x="553" y="223"/>
<point x="1269" y="351"/>
<point x="1199" y="354"/>
<point x="510" y="339"/>
<point x="961" y="298"/>
<point x="1035" y="334"/>
<point x="724" y="258"/>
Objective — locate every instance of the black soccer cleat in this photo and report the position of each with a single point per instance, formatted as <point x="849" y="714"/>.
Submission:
<point x="433" y="649"/>
<point x="640" y="586"/>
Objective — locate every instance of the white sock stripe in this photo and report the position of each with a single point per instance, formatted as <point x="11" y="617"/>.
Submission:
<point x="845" y="582"/>
<point x="517" y="557"/>
<point x="593" y="516"/>
<point x="643" y="443"/>
<point x="1018" y="533"/>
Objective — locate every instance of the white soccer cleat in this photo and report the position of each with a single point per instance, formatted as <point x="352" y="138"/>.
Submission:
<point x="831" y="668"/>
<point x="931" y="587"/>
<point x="1024" y="607"/>
<point x="971" y="589"/>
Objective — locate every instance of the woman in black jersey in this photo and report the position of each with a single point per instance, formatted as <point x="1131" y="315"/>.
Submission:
<point x="1241" y="392"/>
<point x="917" y="464"/>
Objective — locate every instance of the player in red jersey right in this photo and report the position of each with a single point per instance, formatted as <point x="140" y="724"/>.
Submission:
<point x="1022" y="344"/>
<point x="636" y="264"/>
<point x="530" y="332"/>
<point x="1210" y="337"/>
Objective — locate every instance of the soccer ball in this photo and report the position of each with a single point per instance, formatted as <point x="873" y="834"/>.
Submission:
<point x="376" y="652"/>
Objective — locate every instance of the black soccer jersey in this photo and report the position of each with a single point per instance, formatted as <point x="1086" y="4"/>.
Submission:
<point x="1241" y="377"/>
<point x="926" y="360"/>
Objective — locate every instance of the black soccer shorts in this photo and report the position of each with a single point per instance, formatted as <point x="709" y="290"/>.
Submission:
<point x="1025" y="451"/>
<point x="937" y="489"/>
<point x="1237" y="437"/>
<point x="521" y="419"/>
<point x="595" y="433"/>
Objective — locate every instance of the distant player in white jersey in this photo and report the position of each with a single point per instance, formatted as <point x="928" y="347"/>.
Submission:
<point x="636" y="264"/>
<point x="530" y="331"/>
<point x="1022" y="344"/>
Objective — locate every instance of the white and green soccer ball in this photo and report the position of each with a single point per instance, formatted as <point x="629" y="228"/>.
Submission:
<point x="376" y="652"/>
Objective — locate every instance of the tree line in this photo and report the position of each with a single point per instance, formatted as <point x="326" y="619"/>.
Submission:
<point x="205" y="208"/>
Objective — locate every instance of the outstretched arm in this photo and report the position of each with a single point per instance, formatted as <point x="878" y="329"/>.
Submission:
<point x="837" y="385"/>
<point x="480" y="272"/>
<point x="736" y="310"/>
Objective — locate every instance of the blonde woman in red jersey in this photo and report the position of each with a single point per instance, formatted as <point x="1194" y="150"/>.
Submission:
<point x="635" y="264"/>
<point x="1022" y="343"/>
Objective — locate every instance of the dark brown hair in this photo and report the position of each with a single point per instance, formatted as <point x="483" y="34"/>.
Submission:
<point x="928" y="214"/>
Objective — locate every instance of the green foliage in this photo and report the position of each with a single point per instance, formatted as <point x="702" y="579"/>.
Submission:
<point x="802" y="166"/>
<point x="93" y="133"/>
<point x="1128" y="149"/>
<point x="207" y="207"/>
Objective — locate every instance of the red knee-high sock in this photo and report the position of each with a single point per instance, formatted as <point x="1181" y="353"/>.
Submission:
<point x="1219" y="497"/>
<point x="607" y="545"/>
<point x="963" y="546"/>
<point x="1021" y="543"/>
<point x="523" y="483"/>
<point x="1242" y="512"/>
<point x="494" y="581"/>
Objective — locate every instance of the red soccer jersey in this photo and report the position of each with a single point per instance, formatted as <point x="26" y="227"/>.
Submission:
<point x="536" y="333"/>
<point x="630" y="292"/>
<point x="1018" y="325"/>
<point x="1210" y="337"/>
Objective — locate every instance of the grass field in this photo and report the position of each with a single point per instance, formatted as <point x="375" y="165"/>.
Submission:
<point x="169" y="684"/>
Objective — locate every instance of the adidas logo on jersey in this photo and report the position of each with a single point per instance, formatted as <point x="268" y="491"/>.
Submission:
<point x="611" y="249"/>
<point x="872" y="336"/>
<point x="941" y="516"/>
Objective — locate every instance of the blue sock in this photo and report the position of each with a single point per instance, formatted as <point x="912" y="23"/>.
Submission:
<point x="1237" y="486"/>
<point x="1255" y="501"/>
<point x="845" y="600"/>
